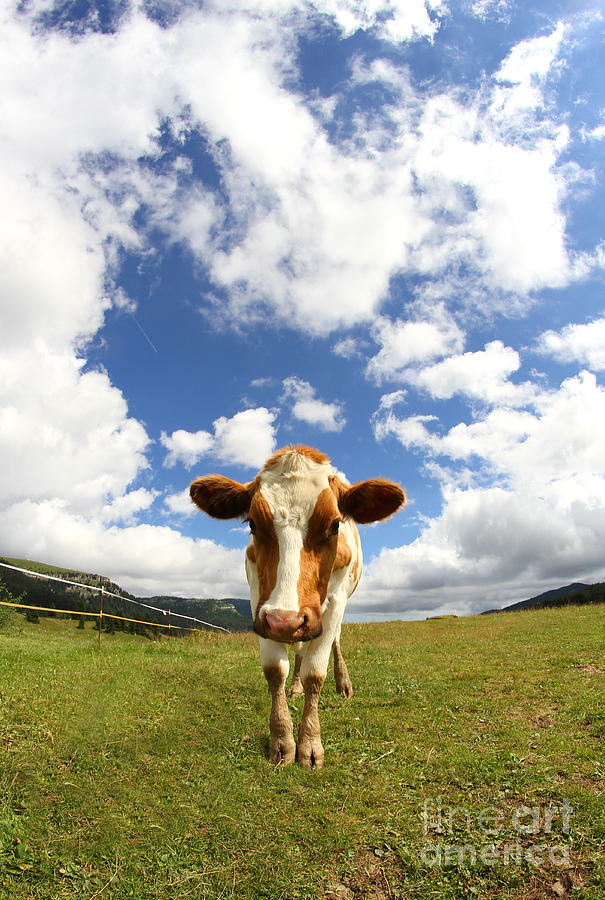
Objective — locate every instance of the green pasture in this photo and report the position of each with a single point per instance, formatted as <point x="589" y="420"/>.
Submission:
<point x="139" y="769"/>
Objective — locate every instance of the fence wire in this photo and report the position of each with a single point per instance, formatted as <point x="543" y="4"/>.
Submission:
<point x="105" y="615"/>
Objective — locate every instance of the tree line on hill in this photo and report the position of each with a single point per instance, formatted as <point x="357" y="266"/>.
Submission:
<point x="71" y="601"/>
<point x="576" y="594"/>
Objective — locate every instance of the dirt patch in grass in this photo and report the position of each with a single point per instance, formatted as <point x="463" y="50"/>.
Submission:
<point x="373" y="875"/>
<point x="554" y="883"/>
<point x="590" y="669"/>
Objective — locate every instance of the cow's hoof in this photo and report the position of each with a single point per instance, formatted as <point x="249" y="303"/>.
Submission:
<point x="296" y="688"/>
<point x="310" y="753"/>
<point x="345" y="688"/>
<point x="282" y="752"/>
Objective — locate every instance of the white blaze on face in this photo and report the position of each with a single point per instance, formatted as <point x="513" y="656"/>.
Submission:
<point x="291" y="488"/>
<point x="284" y="595"/>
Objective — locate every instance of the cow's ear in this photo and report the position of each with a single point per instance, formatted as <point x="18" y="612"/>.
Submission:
<point x="221" y="497"/>
<point x="369" y="501"/>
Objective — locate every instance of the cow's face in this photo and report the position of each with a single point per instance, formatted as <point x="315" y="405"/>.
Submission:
<point x="296" y="508"/>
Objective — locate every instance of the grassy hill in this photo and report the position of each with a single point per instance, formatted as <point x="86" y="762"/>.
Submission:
<point x="576" y="594"/>
<point x="139" y="770"/>
<point x="230" y="614"/>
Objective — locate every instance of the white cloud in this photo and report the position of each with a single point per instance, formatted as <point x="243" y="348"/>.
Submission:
<point x="313" y="229"/>
<point x="483" y="375"/>
<point x="406" y="342"/>
<point x="595" y="134"/>
<point x="64" y="434"/>
<point x="491" y="546"/>
<point x="143" y="559"/>
<point x="245" y="439"/>
<point x="541" y="515"/>
<point x="127" y="507"/>
<point x="348" y="348"/>
<point x="579" y="343"/>
<point x="531" y="61"/>
<point x="263" y="382"/>
<point x="486" y="9"/>
<point x="393" y="20"/>
<point x="186" y="447"/>
<point x="388" y="401"/>
<point x="480" y="375"/>
<point x="52" y="267"/>
<point x="525" y="447"/>
<point x="308" y="408"/>
<point x="180" y="504"/>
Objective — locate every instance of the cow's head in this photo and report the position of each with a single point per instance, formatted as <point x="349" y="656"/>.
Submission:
<point x="295" y="508"/>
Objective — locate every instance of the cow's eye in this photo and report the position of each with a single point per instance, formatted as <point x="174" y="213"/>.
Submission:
<point x="335" y="526"/>
<point x="252" y="526"/>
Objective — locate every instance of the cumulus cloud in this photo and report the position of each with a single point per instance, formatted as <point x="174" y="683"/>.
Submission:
<point x="180" y="504"/>
<point x="306" y="407"/>
<point x="532" y="507"/>
<point x="310" y="227"/>
<point x="186" y="447"/>
<point x="246" y="439"/>
<point x="489" y="547"/>
<point x="147" y="559"/>
<point x="406" y="342"/>
<point x="576" y="343"/>
<point x="65" y="433"/>
<point x="483" y="375"/>
<point x="393" y="20"/>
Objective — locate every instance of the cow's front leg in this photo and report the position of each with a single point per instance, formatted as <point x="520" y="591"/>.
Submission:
<point x="310" y="751"/>
<point x="282" y="748"/>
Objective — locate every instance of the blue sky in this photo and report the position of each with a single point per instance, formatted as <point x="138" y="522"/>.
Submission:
<point x="375" y="228"/>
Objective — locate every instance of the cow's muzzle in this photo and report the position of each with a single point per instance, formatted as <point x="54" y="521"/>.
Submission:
<point x="288" y="627"/>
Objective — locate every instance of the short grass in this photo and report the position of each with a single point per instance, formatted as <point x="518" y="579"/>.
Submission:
<point x="42" y="568"/>
<point x="139" y="769"/>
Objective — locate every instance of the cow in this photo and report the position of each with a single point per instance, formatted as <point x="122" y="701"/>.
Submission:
<point x="303" y="562"/>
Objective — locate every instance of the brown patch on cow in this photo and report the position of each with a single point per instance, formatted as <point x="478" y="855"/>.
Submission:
<point x="337" y="486"/>
<point x="251" y="553"/>
<point x="221" y="497"/>
<point x="367" y="501"/>
<point x="343" y="554"/>
<point x="319" y="553"/>
<point x="372" y="500"/>
<point x="324" y="515"/>
<point x="311" y="453"/>
<point x="265" y="547"/>
<point x="357" y="569"/>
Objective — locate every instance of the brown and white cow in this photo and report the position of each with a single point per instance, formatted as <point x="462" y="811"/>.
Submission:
<point x="303" y="562"/>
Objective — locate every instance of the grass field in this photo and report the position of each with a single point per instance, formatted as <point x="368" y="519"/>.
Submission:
<point x="139" y="769"/>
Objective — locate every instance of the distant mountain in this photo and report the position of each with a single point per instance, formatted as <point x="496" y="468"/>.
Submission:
<point x="572" y="594"/>
<point x="233" y="614"/>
